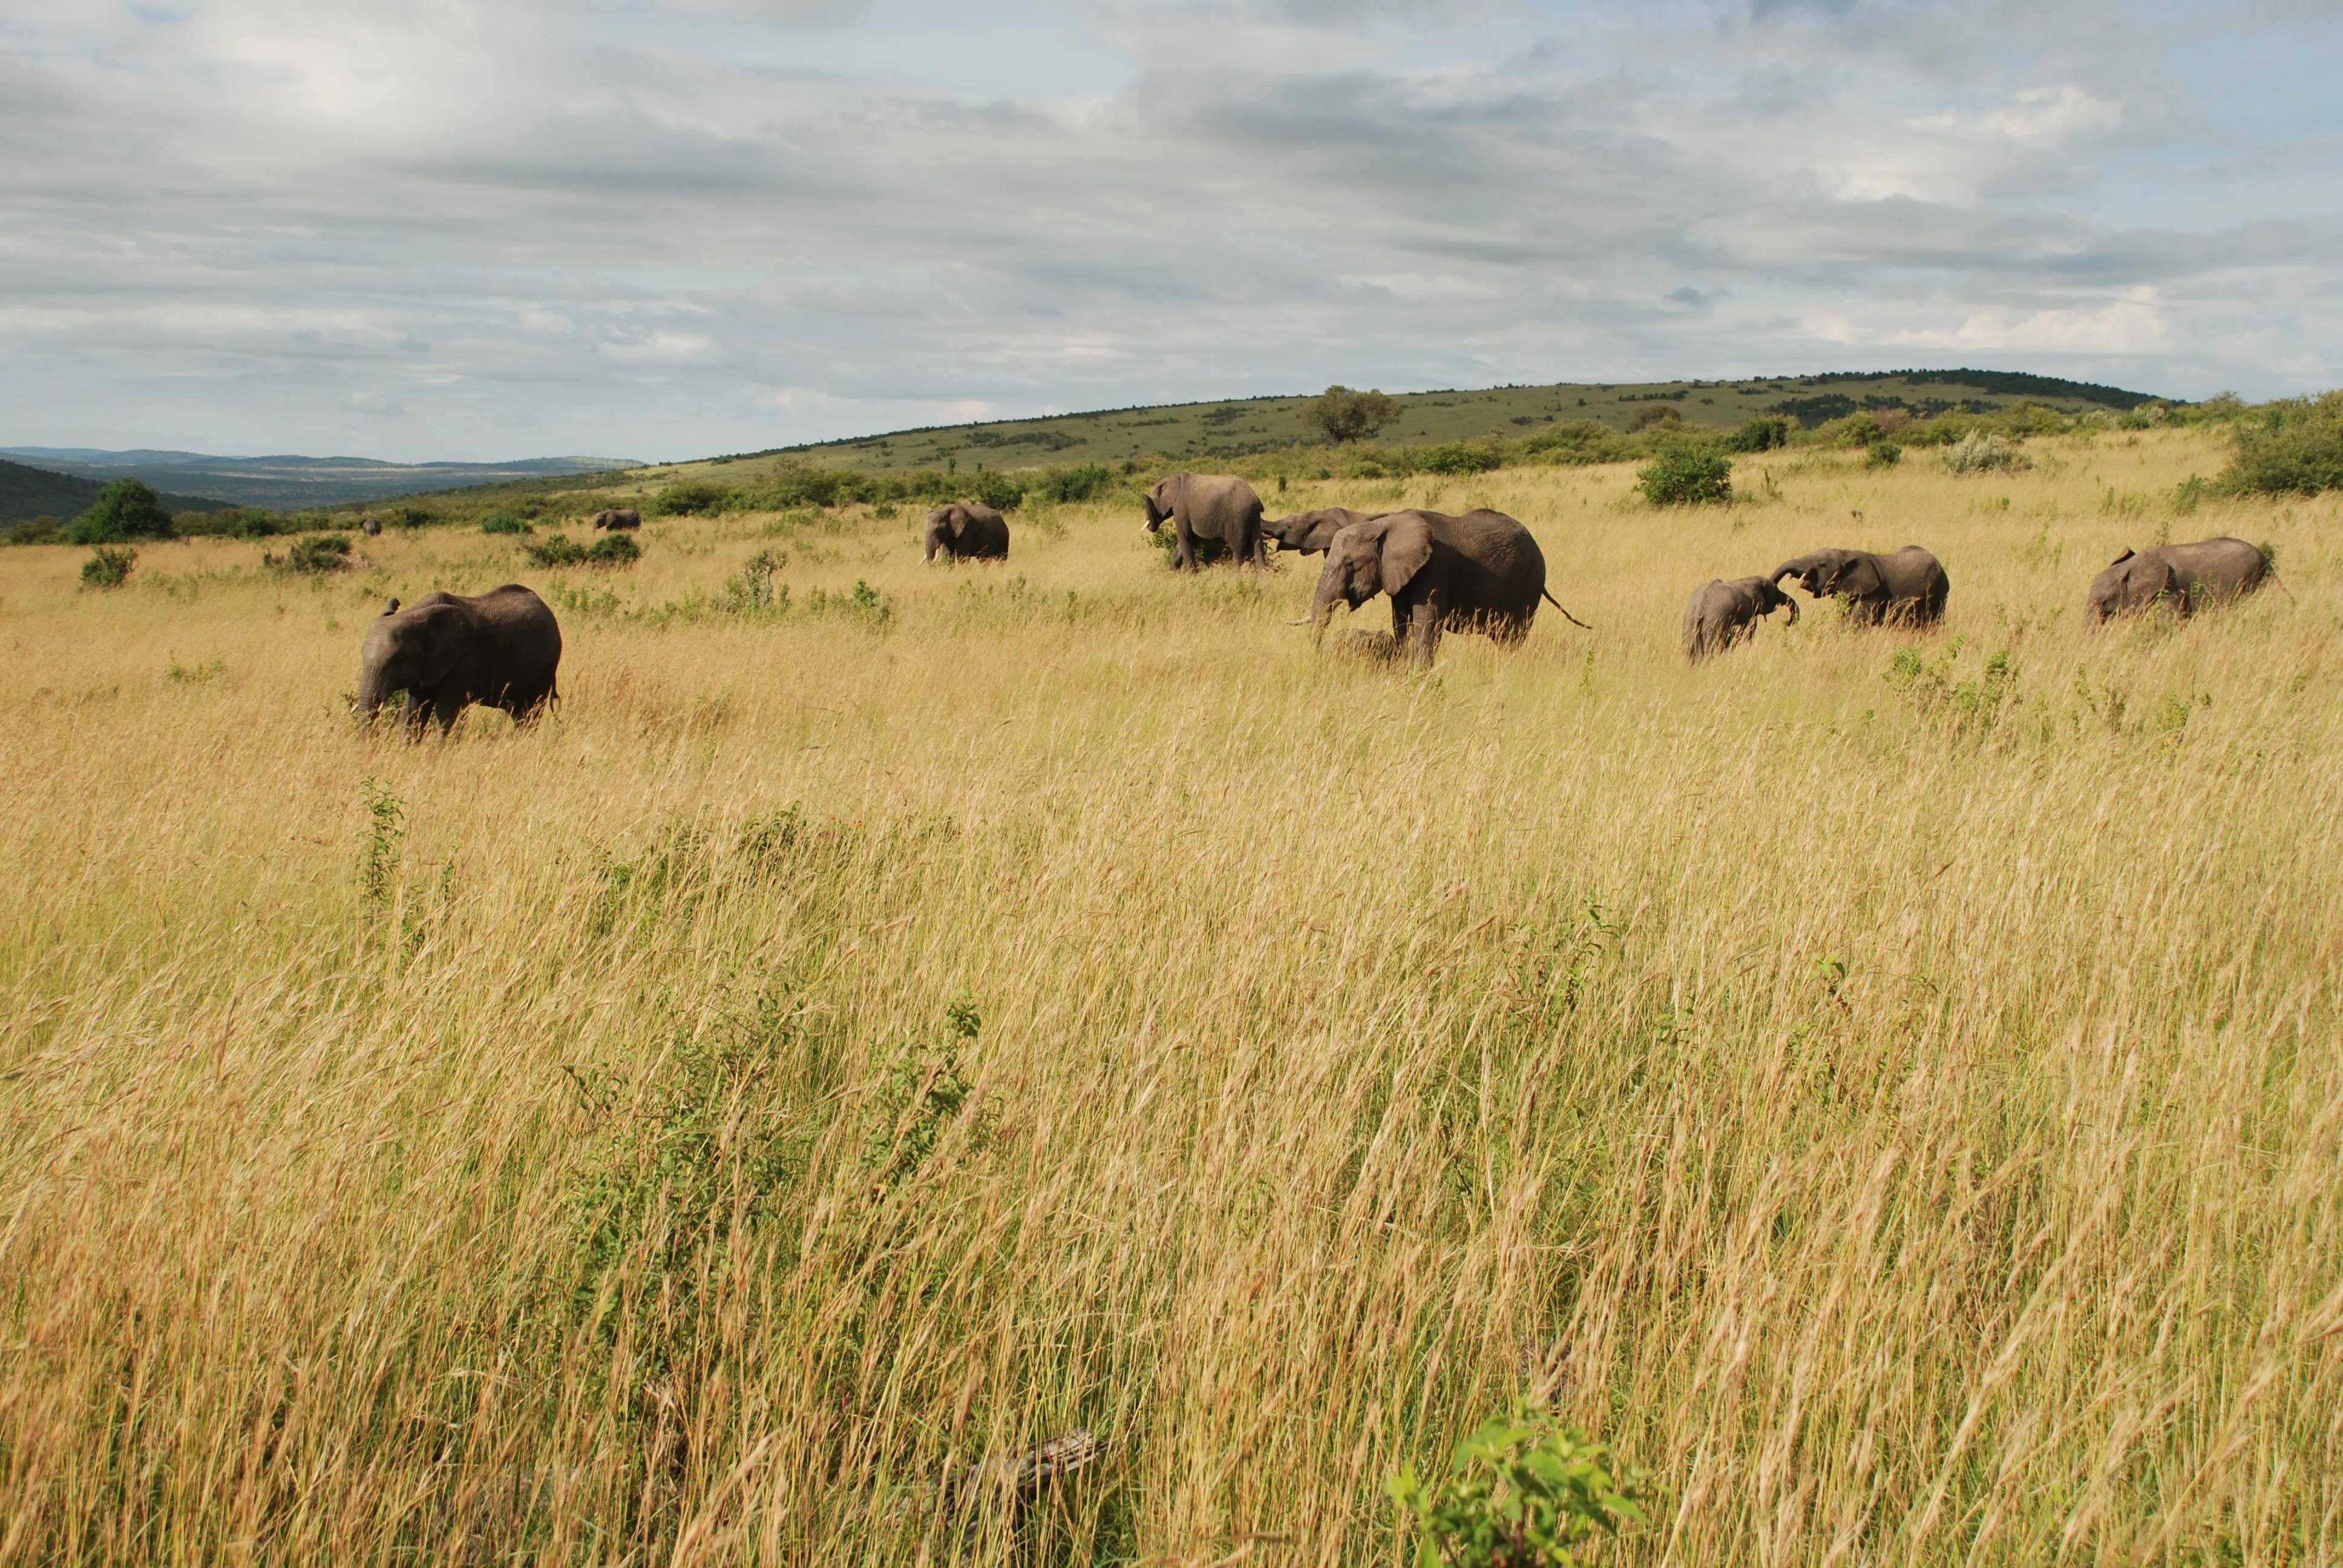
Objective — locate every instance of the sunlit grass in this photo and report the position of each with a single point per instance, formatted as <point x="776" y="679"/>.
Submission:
<point x="1898" y="1103"/>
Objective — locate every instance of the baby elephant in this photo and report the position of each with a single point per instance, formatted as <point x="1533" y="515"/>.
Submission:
<point x="967" y="531"/>
<point x="446" y="651"/>
<point x="1907" y="586"/>
<point x="2187" y="576"/>
<point x="1309" y="533"/>
<point x="618" y="519"/>
<point x="1723" y="613"/>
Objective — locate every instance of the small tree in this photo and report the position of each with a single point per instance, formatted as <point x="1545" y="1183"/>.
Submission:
<point x="126" y="509"/>
<point x="108" y="567"/>
<point x="1684" y="476"/>
<point x="1524" y="1493"/>
<point x="1347" y="416"/>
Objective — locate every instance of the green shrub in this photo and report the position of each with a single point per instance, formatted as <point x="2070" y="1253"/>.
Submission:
<point x="691" y="497"/>
<point x="108" y="567"/>
<point x="126" y="509"/>
<point x="41" y="530"/>
<point x="1477" y="456"/>
<point x="236" y="523"/>
<point x="1526" y="1491"/>
<point x="1979" y="453"/>
<point x="1578" y="442"/>
<point x="1341" y="415"/>
<point x="311" y="553"/>
<point x="556" y="551"/>
<point x="1000" y="491"/>
<point x="503" y="523"/>
<point x="2293" y="447"/>
<point x="1686" y="475"/>
<point x="1764" y="434"/>
<point x="615" y="550"/>
<point x="1646" y="417"/>
<point x="1882" y="454"/>
<point x="408" y="516"/>
<point x="1087" y="483"/>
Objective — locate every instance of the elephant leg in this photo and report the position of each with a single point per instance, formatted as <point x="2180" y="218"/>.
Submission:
<point x="1423" y="632"/>
<point x="1186" y="557"/>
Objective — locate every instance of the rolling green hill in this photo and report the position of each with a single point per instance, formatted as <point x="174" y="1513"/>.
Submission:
<point x="1200" y="430"/>
<point x="26" y="493"/>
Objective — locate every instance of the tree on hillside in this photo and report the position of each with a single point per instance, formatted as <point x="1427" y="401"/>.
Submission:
<point x="126" y="509"/>
<point x="1347" y="416"/>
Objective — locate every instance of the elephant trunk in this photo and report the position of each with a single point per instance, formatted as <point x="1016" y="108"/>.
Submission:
<point x="1794" y="608"/>
<point x="1322" y="612"/>
<point x="372" y="692"/>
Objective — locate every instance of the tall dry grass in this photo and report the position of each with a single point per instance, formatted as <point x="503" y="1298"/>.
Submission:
<point x="1904" y="1113"/>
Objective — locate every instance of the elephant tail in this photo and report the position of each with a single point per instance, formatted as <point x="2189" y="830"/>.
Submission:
<point x="2272" y="579"/>
<point x="1566" y="614"/>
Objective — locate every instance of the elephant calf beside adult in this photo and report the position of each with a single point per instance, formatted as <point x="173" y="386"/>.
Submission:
<point x="447" y="651"/>
<point x="1309" y="533"/>
<point x="1723" y="613"/>
<point x="1207" y="507"/>
<point x="967" y="531"/>
<point x="1907" y="587"/>
<point x="1479" y="572"/>
<point x="2189" y="577"/>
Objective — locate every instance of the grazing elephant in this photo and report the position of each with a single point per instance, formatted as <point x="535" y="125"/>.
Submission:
<point x="1479" y="572"/>
<point x="1908" y="586"/>
<point x="618" y="519"/>
<point x="2186" y="577"/>
<point x="1723" y="613"/>
<point x="1309" y="533"/>
<point x="1218" y="506"/>
<point x="369" y="526"/>
<point x="967" y="530"/>
<point x="446" y="651"/>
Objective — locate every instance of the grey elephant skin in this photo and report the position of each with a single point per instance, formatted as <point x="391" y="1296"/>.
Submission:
<point x="967" y="531"/>
<point x="1208" y="507"/>
<point x="1907" y="587"/>
<point x="1309" y="533"/>
<point x="2189" y="577"/>
<point x="1478" y="572"/>
<point x="1723" y="613"/>
<point x="618" y="519"/>
<point x="369" y="526"/>
<point x="447" y="651"/>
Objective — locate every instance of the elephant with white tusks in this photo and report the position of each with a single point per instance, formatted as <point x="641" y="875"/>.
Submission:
<point x="447" y="651"/>
<point x="1309" y="533"/>
<point x="2189" y="577"/>
<point x="1907" y="586"/>
<point x="1479" y="572"/>
<point x="967" y="531"/>
<point x="1724" y="613"/>
<point x="1208" y="508"/>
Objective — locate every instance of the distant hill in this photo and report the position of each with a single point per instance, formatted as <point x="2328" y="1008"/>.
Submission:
<point x="288" y="483"/>
<point x="26" y="492"/>
<point x="1237" y="429"/>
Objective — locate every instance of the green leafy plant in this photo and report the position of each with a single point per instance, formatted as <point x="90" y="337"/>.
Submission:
<point x="126" y="509"/>
<point x="108" y="567"/>
<point x="2293" y="447"/>
<point x="1981" y="453"/>
<point x="503" y="523"/>
<point x="615" y="550"/>
<point x="555" y="551"/>
<point x="749" y="591"/>
<point x="1525" y="1491"/>
<point x="691" y="497"/>
<point x="380" y="842"/>
<point x="1686" y="475"/>
<point x="1341" y="415"/>
<point x="1882" y="454"/>
<point x="313" y="553"/>
<point x="1762" y="434"/>
<point x="922" y="1093"/>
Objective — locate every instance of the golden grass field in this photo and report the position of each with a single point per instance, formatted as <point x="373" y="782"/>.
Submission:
<point x="1903" y="1115"/>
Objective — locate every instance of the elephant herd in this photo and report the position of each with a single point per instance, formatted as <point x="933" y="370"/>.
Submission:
<point x="1480" y="571"/>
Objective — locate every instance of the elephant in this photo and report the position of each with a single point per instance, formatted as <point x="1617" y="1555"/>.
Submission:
<point x="619" y="519"/>
<point x="1908" y="585"/>
<point x="967" y="530"/>
<point x="1309" y="533"/>
<point x="1214" y="506"/>
<point x="1479" y="572"/>
<point x="369" y="525"/>
<point x="2186" y="577"/>
<point x="1723" y="613"/>
<point x="447" y="651"/>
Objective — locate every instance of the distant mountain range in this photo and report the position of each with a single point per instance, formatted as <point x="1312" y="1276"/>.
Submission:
<point x="282" y="483"/>
<point x="28" y="492"/>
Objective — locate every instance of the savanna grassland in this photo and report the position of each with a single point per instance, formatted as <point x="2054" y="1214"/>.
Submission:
<point x="1887" y="1086"/>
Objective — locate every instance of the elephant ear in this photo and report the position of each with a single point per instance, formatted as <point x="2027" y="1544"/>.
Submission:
<point x="956" y="519"/>
<point x="1406" y="549"/>
<point x="2121" y="558"/>
<point x="447" y="637"/>
<point x="1859" y="578"/>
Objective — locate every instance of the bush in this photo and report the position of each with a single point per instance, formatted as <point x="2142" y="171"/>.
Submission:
<point x="41" y="530"/>
<point x="1882" y="454"/>
<point x="1686" y="475"/>
<point x="1646" y="417"/>
<point x="505" y="523"/>
<point x="1087" y="483"/>
<point x="615" y="550"/>
<point x="126" y="509"/>
<point x="998" y="490"/>
<point x="556" y="551"/>
<point x="1978" y="453"/>
<point x="1461" y="456"/>
<point x="1343" y="415"/>
<point x="1526" y="1491"/>
<point x="1577" y="442"/>
<point x="2290" y="449"/>
<point x="312" y="553"/>
<point x="1763" y="434"/>
<point x="108" y="567"/>
<point x="236" y="523"/>
<point x="691" y="497"/>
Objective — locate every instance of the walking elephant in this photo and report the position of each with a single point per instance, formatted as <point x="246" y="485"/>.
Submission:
<point x="1208" y="507"/>
<point x="1723" y="613"/>
<point x="2189" y="577"/>
<point x="967" y="530"/>
<point x="1908" y="586"/>
<point x="619" y="519"/>
<point x="447" y="651"/>
<point x="1309" y="533"/>
<point x="1479" y="572"/>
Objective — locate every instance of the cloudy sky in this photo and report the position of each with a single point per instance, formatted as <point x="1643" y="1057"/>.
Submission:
<point x="660" y="229"/>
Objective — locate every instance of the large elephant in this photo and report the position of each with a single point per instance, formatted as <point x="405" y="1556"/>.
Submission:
<point x="619" y="519"/>
<point x="1309" y="533"/>
<point x="1908" y="585"/>
<point x="2187" y="576"/>
<point x="447" y="651"/>
<point x="967" y="530"/>
<point x="1200" y="507"/>
<point x="1723" y="613"/>
<point x="1479" y="572"/>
